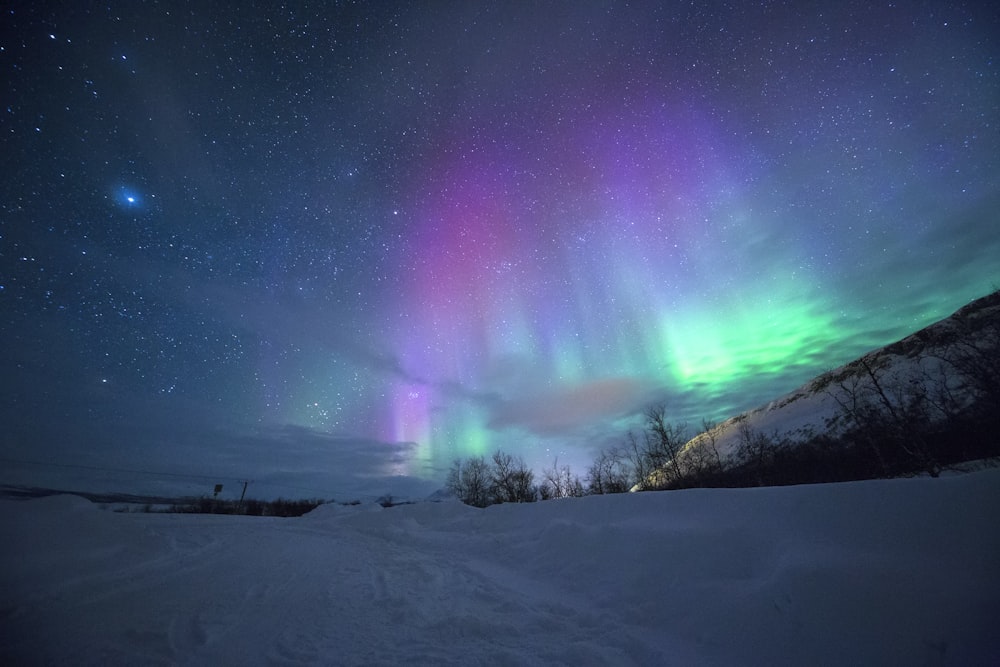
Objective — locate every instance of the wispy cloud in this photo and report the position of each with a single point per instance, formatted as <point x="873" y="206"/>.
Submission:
<point x="567" y="409"/>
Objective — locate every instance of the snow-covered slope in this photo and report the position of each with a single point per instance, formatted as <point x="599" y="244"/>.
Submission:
<point x="809" y="409"/>
<point x="891" y="572"/>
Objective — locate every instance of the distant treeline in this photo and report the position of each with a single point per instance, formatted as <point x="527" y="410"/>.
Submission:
<point x="250" y="507"/>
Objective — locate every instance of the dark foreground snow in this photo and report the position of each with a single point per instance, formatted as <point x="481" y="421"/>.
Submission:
<point x="901" y="572"/>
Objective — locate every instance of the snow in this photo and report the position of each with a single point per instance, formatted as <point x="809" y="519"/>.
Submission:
<point x="903" y="572"/>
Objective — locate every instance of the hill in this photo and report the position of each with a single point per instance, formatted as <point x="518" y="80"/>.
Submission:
<point x="935" y="392"/>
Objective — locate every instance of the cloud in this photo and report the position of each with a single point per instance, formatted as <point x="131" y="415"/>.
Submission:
<point x="304" y="460"/>
<point x="185" y="457"/>
<point x="570" y="408"/>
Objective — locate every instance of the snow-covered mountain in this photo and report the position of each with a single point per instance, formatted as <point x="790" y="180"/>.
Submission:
<point x="922" y="357"/>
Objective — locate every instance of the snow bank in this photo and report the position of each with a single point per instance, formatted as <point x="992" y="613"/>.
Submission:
<point x="867" y="573"/>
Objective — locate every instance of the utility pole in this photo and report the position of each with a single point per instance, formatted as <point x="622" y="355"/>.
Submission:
<point x="239" y="505"/>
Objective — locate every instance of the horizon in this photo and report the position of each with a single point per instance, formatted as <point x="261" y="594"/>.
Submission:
<point x="335" y="249"/>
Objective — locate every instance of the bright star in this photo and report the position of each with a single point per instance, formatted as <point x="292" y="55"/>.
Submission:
<point x="128" y="197"/>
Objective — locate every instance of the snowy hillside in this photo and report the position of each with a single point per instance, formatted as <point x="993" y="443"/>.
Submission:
<point x="810" y="409"/>
<point x="900" y="572"/>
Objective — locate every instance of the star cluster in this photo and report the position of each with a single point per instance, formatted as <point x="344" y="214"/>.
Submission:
<point x="411" y="232"/>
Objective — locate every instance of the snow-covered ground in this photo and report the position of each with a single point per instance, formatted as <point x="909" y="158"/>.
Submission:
<point x="900" y="572"/>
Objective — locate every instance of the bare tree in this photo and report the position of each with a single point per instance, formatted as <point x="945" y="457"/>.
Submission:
<point x="906" y="406"/>
<point x="609" y="473"/>
<point x="709" y="443"/>
<point x="857" y="411"/>
<point x="511" y="480"/>
<point x="758" y="452"/>
<point x="663" y="443"/>
<point x="551" y="485"/>
<point x="470" y="480"/>
<point x="889" y="411"/>
<point x="643" y="467"/>
<point x="559" y="482"/>
<point x="700" y="458"/>
<point x="975" y="355"/>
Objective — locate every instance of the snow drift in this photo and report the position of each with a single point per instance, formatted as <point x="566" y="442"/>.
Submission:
<point x="903" y="572"/>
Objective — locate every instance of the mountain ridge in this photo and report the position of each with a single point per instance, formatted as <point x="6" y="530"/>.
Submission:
<point x="813" y="409"/>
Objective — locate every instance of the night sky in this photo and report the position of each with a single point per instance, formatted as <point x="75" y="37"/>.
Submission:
<point x="332" y="246"/>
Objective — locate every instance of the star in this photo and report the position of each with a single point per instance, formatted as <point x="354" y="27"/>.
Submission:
<point x="128" y="197"/>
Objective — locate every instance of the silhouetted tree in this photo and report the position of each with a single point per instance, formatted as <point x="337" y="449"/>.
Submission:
<point x="974" y="354"/>
<point x="609" y="473"/>
<point x="637" y="454"/>
<point x="511" y="481"/>
<point x="700" y="458"/>
<point x="757" y="452"/>
<point x="559" y="482"/>
<point x="470" y="481"/>
<point x="663" y="442"/>
<point x="889" y="412"/>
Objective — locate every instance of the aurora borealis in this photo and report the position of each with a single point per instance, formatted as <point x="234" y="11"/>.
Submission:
<point x="333" y="246"/>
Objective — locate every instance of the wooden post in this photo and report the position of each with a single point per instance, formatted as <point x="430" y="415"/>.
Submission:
<point x="239" y="505"/>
